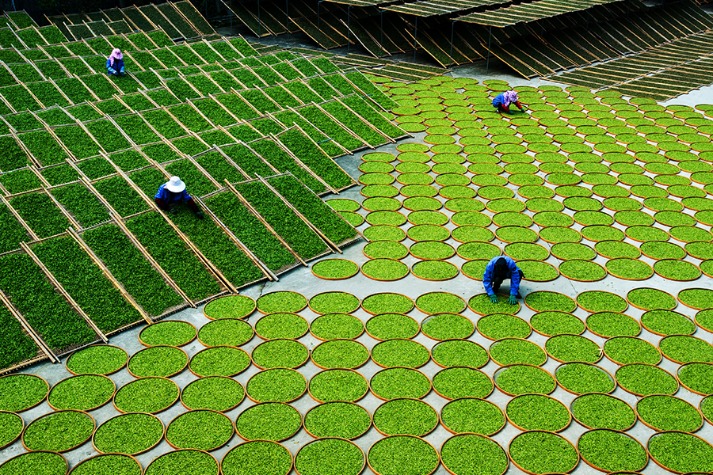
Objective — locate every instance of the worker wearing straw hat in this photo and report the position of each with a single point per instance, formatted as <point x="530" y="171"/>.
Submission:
<point x="115" y="63"/>
<point x="498" y="269"/>
<point x="173" y="193"/>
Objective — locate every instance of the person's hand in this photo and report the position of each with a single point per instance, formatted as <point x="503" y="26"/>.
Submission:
<point x="512" y="300"/>
<point x="494" y="298"/>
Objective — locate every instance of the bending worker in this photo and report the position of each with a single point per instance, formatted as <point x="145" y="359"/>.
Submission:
<point x="503" y="101"/>
<point x="498" y="269"/>
<point x="172" y="194"/>
<point x="115" y="63"/>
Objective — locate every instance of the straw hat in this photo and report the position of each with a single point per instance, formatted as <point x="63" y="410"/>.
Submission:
<point x="175" y="185"/>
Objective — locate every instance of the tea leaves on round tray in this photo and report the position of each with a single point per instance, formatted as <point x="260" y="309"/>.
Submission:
<point x="543" y="452"/>
<point x="446" y="326"/>
<point x="343" y="354"/>
<point x="594" y="301"/>
<point x="472" y="415"/>
<point x="510" y="351"/>
<point x="459" y="353"/>
<point x="401" y="454"/>
<point x="538" y="412"/>
<point x="497" y="326"/>
<point x="387" y="302"/>
<point x="610" y="324"/>
<point x="19" y="392"/>
<point x="482" y="305"/>
<point x="216" y="393"/>
<point x="460" y="382"/>
<point x="276" y="385"/>
<point x="584" y="378"/>
<point x="541" y="301"/>
<point x="337" y="419"/>
<point x="82" y="393"/>
<point x="573" y="349"/>
<point x="329" y="457"/>
<point x="384" y="233"/>
<point x="432" y="250"/>
<point x="601" y="411"/>
<point x="335" y="269"/>
<point x="200" y="430"/>
<point x="667" y="322"/>
<point x="279" y="354"/>
<point x="109" y="463"/>
<point x="405" y="417"/>
<point x="334" y="302"/>
<point x="581" y="270"/>
<point x="11" y="426"/>
<point x="440" y="302"/>
<point x="523" y="379"/>
<point x="697" y="377"/>
<point x="385" y="269"/>
<point x="394" y="383"/>
<point x="163" y="361"/>
<point x="97" y="359"/>
<point x="268" y="421"/>
<point x="681" y="453"/>
<point x="183" y="462"/>
<point x="388" y="326"/>
<point x="385" y="250"/>
<point x="220" y="361"/>
<point x="58" y="431"/>
<point x="281" y="301"/>
<point x="650" y="299"/>
<point x="150" y="395"/>
<point x="38" y="463"/>
<point x="665" y="413"/>
<point x="686" y="349"/>
<point x="338" y="385"/>
<point x="226" y="332"/>
<point x="463" y="452"/>
<point x="434" y="270"/>
<point x="264" y="457"/>
<point x="281" y="325"/>
<point x="128" y="434"/>
<point x="169" y="333"/>
<point x="401" y="353"/>
<point x="556" y="323"/>
<point x="232" y="306"/>
<point x="626" y="350"/>
<point x="643" y="380"/>
<point x="332" y="326"/>
<point x="612" y="451"/>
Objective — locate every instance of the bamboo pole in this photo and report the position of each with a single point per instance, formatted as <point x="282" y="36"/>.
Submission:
<point x="250" y="208"/>
<point x="58" y="286"/>
<point x="44" y="347"/>
<point x="19" y="218"/>
<point x="107" y="273"/>
<point x="261" y="265"/>
<point x="301" y="216"/>
<point x="119" y="222"/>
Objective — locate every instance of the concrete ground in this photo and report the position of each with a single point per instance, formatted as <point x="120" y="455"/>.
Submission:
<point x="301" y="280"/>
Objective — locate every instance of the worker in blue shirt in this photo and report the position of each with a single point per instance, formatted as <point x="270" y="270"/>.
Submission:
<point x="115" y="63"/>
<point x="172" y="194"/>
<point x="498" y="269"/>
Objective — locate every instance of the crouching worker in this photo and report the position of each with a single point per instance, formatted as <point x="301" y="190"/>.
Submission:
<point x="498" y="269"/>
<point x="503" y="101"/>
<point x="173" y="193"/>
<point x="115" y="63"/>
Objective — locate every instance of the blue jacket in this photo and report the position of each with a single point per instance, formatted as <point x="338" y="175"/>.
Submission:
<point x="171" y="198"/>
<point x="513" y="273"/>
<point x="499" y="100"/>
<point x="118" y="65"/>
